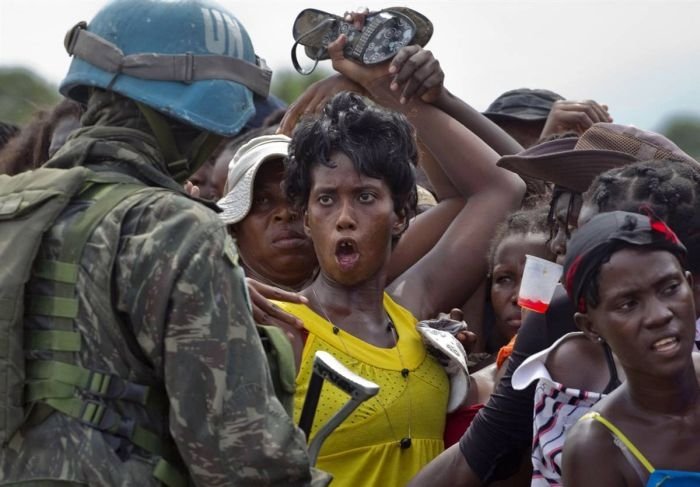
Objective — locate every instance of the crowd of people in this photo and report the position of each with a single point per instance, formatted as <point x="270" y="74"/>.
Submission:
<point x="189" y="244"/>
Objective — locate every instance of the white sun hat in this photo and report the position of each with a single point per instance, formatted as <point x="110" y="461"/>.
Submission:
<point x="241" y="174"/>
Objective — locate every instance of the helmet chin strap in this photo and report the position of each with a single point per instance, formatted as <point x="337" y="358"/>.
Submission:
<point x="180" y="166"/>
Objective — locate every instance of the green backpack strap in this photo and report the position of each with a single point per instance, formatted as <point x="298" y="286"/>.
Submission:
<point x="280" y="358"/>
<point x="53" y="383"/>
<point x="30" y="202"/>
<point x="62" y="305"/>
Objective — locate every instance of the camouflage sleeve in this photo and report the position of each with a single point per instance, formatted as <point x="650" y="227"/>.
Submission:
<point x="228" y="426"/>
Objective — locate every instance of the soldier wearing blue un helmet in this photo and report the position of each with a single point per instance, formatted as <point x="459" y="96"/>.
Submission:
<point x="187" y="61"/>
<point x="145" y="366"/>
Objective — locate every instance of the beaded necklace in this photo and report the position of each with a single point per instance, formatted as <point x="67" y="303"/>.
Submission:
<point x="405" y="442"/>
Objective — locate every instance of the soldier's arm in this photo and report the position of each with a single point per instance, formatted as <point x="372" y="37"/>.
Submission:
<point x="225" y="419"/>
<point x="186" y="298"/>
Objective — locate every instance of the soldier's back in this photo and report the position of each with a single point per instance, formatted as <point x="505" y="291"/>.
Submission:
<point x="131" y="265"/>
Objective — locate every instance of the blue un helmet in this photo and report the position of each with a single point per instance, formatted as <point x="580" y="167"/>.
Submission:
<point x="189" y="60"/>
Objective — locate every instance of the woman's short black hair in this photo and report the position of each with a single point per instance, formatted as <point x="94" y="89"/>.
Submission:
<point x="380" y="143"/>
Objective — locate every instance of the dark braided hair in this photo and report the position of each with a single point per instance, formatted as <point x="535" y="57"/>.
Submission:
<point x="670" y="190"/>
<point x="571" y="210"/>
<point x="380" y="143"/>
<point x="521" y="222"/>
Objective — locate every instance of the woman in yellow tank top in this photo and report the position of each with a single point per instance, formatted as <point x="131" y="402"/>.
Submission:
<point x="351" y="175"/>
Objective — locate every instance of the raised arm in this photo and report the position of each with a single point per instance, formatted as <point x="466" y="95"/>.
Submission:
<point x="455" y="266"/>
<point x="574" y="116"/>
<point x="416" y="74"/>
<point x="420" y="71"/>
<point x="425" y="230"/>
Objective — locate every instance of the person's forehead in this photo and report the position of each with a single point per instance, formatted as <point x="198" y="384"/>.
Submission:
<point x="514" y="241"/>
<point x="271" y="172"/>
<point x="631" y="266"/>
<point x="342" y="173"/>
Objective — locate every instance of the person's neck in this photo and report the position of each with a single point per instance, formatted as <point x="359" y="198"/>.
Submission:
<point x="664" y="395"/>
<point x="293" y="283"/>
<point x="355" y="309"/>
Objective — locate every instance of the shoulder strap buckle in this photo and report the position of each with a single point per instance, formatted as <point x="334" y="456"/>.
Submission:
<point x="188" y="75"/>
<point x="125" y="390"/>
<point x="97" y="415"/>
<point x="100" y="416"/>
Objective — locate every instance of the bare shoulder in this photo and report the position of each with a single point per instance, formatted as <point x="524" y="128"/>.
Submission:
<point x="590" y="456"/>
<point x="578" y="363"/>
<point x="574" y="345"/>
<point x="407" y="291"/>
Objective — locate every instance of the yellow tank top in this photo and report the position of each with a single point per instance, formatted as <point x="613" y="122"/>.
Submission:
<point x="364" y="450"/>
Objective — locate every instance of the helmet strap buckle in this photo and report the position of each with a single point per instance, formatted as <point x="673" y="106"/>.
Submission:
<point x="72" y="36"/>
<point x="189" y="68"/>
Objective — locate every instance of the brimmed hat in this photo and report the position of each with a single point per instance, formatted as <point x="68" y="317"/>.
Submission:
<point x="522" y="104"/>
<point x="241" y="174"/>
<point x="573" y="163"/>
<point x="601" y="236"/>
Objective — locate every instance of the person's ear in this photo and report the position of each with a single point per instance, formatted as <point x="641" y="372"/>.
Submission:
<point x="400" y="224"/>
<point x="398" y="228"/>
<point x="584" y="323"/>
<point x="695" y="289"/>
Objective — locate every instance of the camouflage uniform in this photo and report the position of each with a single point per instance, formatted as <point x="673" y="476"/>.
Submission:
<point x="165" y="264"/>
